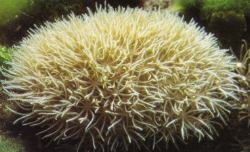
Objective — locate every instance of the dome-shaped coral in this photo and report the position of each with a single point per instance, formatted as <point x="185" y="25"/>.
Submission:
<point x="118" y="78"/>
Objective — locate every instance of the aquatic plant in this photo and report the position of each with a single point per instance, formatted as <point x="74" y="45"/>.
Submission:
<point x="219" y="17"/>
<point x="229" y="27"/>
<point x="38" y="11"/>
<point x="10" y="9"/>
<point x="4" y="54"/>
<point x="211" y="6"/>
<point x="8" y="144"/>
<point x="116" y="79"/>
<point x="189" y="8"/>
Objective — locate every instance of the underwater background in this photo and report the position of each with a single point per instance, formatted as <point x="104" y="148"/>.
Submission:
<point x="226" y="21"/>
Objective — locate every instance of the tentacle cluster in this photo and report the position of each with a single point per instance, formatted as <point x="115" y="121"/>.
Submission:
<point x="117" y="78"/>
<point x="243" y="68"/>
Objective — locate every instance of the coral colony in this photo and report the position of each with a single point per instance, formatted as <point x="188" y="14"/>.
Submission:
<point x="243" y="68"/>
<point x="116" y="79"/>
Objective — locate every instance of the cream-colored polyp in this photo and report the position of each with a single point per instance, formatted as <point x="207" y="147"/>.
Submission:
<point x="243" y="68"/>
<point x="121" y="77"/>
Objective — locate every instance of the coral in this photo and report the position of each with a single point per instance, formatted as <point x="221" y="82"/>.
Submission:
<point x="244" y="70"/>
<point x="151" y="4"/>
<point x="5" y="114"/>
<point x="116" y="79"/>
